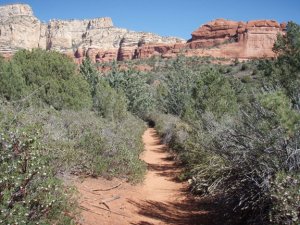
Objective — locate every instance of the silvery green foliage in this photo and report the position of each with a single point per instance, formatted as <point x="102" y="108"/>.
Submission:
<point x="29" y="191"/>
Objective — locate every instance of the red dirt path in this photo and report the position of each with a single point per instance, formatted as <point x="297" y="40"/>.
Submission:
<point x="160" y="199"/>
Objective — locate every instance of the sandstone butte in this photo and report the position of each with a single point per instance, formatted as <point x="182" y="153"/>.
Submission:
<point x="99" y="40"/>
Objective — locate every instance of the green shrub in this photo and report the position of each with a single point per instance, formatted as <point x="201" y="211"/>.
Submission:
<point x="51" y="79"/>
<point x="90" y="73"/>
<point x="109" y="103"/>
<point x="236" y="62"/>
<point x="12" y="84"/>
<point x="237" y="149"/>
<point x="246" y="79"/>
<point x="29" y="191"/>
<point x="84" y="143"/>
<point x="140" y="95"/>
<point x="222" y="70"/>
<point x="279" y="103"/>
<point x="229" y="70"/>
<point x="215" y="94"/>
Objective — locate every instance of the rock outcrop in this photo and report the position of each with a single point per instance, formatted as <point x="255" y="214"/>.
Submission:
<point x="96" y="38"/>
<point x="231" y="39"/>
<point x="19" y="29"/>
<point x="101" y="41"/>
<point x="222" y="38"/>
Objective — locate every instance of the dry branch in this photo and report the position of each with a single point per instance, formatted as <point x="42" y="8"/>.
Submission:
<point x="87" y="190"/>
<point x="98" y="207"/>
<point x="109" y="200"/>
<point x="108" y="189"/>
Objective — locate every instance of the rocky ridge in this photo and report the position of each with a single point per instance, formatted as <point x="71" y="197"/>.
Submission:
<point x="99" y="40"/>
<point x="231" y="39"/>
<point x="96" y="38"/>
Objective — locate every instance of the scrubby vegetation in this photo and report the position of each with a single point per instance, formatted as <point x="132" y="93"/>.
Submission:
<point x="234" y="127"/>
<point x="30" y="193"/>
<point x="56" y="121"/>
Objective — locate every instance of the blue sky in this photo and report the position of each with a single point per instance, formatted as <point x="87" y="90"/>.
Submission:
<point x="165" y="17"/>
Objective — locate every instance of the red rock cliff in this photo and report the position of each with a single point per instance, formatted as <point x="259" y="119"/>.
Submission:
<point x="231" y="39"/>
<point x="222" y="38"/>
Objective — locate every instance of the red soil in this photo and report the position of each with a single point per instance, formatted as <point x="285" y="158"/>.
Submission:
<point x="160" y="199"/>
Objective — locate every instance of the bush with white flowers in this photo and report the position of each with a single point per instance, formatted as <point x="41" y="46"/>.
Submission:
<point x="29" y="191"/>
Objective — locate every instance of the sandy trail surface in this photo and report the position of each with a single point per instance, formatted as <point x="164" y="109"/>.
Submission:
<point x="160" y="199"/>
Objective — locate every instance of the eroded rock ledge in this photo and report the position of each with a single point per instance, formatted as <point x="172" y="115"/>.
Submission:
<point x="101" y="41"/>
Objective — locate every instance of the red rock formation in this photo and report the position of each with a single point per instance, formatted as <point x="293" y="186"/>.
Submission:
<point x="231" y="39"/>
<point x="219" y="28"/>
<point x="263" y="23"/>
<point x="126" y="53"/>
<point x="96" y="55"/>
<point x="106" y="56"/>
<point x="219" y="38"/>
<point x="146" y="51"/>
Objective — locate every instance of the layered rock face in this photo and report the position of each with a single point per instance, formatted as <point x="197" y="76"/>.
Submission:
<point x="95" y="38"/>
<point x="225" y="39"/>
<point x="231" y="39"/>
<point x="20" y="29"/>
<point x="99" y="40"/>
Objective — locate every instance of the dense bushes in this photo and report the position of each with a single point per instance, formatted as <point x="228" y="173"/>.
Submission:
<point x="239" y="159"/>
<point x="48" y="78"/>
<point x="55" y="100"/>
<point x="84" y="143"/>
<point x="237" y="137"/>
<point x="11" y="81"/>
<point x="78" y="124"/>
<point x="29" y="191"/>
<point x="140" y="96"/>
<point x="238" y="140"/>
<point x="109" y="103"/>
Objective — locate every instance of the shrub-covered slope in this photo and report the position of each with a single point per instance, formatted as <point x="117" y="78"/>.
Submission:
<point x="235" y="127"/>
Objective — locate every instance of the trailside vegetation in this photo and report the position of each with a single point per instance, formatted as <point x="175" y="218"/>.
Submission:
<point x="57" y="120"/>
<point x="234" y="127"/>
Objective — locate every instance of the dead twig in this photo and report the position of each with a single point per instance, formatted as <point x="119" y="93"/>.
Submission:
<point x="109" y="200"/>
<point x="108" y="189"/>
<point x="87" y="190"/>
<point x="107" y="206"/>
<point x="98" y="207"/>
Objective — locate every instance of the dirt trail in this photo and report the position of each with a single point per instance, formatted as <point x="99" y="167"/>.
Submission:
<point x="160" y="199"/>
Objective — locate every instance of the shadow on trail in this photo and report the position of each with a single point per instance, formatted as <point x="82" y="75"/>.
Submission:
<point x="176" y="213"/>
<point x="168" y="168"/>
<point x="189" y="211"/>
<point x="165" y="170"/>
